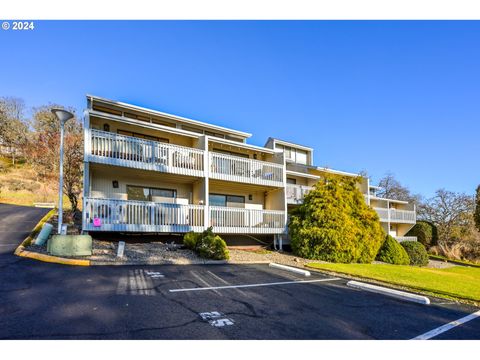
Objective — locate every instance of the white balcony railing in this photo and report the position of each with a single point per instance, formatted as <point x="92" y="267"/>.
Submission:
<point x="405" y="238"/>
<point x="235" y="168"/>
<point x="246" y="221"/>
<point x="296" y="193"/>
<point x="121" y="150"/>
<point x="397" y="216"/>
<point x="141" y="216"/>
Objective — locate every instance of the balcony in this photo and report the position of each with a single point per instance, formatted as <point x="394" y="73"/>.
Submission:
<point x="238" y="169"/>
<point x="296" y="193"/>
<point x="142" y="216"/>
<point x="405" y="238"/>
<point x="120" y="150"/>
<point x="246" y="221"/>
<point x="397" y="216"/>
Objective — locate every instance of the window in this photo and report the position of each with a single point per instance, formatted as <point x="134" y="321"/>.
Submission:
<point x="217" y="200"/>
<point x="163" y="123"/>
<point x="142" y="136"/>
<point x="231" y="153"/>
<point x="141" y="193"/>
<point x="291" y="181"/>
<point x="301" y="157"/>
<point x="289" y="153"/>
<point x="233" y="138"/>
<point x="227" y="200"/>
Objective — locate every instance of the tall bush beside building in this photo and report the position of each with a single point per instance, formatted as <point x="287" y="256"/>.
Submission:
<point x="426" y="233"/>
<point x="335" y="224"/>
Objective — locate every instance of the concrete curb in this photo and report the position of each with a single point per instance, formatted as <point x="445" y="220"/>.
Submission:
<point x="402" y="295"/>
<point x="20" y="250"/>
<point x="290" y="268"/>
<point x="53" y="259"/>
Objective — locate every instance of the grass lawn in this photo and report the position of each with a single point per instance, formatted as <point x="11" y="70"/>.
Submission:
<point x="457" y="282"/>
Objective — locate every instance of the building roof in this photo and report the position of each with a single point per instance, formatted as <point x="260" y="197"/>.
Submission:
<point x="170" y="116"/>
<point x="288" y="143"/>
<point x="338" y="172"/>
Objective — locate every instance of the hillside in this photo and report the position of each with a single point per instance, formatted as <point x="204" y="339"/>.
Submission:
<point x="19" y="185"/>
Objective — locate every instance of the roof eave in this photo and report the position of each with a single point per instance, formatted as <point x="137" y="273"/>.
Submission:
<point x="171" y="116"/>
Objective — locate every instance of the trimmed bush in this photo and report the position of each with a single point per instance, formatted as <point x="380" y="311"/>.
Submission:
<point x="393" y="253"/>
<point x="190" y="240"/>
<point x="207" y="245"/>
<point x="425" y="232"/>
<point x="416" y="252"/>
<point x="335" y="224"/>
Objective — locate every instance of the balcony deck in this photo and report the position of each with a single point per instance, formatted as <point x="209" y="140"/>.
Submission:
<point x="251" y="171"/>
<point x="141" y="216"/>
<point x="396" y="216"/>
<point x="246" y="221"/>
<point x="120" y="150"/>
<point x="405" y="238"/>
<point x="296" y="193"/>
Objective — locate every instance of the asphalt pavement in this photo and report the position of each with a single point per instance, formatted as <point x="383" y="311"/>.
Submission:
<point x="49" y="301"/>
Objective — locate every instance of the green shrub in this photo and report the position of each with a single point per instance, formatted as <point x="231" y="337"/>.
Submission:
<point x="335" y="224"/>
<point x="190" y="240"/>
<point x="207" y="245"/>
<point x="416" y="252"/>
<point x="393" y="253"/>
<point x="425" y="232"/>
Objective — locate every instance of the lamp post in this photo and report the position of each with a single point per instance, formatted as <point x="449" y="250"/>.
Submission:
<point x="63" y="116"/>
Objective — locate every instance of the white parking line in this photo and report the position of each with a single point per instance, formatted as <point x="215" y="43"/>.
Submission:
<point x="253" y="285"/>
<point x="203" y="281"/>
<point x="225" y="282"/>
<point x="446" y="327"/>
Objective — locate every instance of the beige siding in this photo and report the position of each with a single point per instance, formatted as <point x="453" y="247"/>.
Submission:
<point x="102" y="187"/>
<point x="199" y="192"/>
<point x="275" y="200"/>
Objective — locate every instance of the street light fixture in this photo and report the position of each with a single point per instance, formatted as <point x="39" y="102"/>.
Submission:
<point x="63" y="116"/>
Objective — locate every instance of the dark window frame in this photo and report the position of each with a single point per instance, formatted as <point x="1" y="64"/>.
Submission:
<point x="174" y="191"/>
<point x="231" y="196"/>
<point x="142" y="136"/>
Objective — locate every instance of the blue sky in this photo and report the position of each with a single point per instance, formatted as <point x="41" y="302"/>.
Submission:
<point x="399" y="96"/>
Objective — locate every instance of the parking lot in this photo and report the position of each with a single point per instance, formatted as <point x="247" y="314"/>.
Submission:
<point x="49" y="301"/>
<point x="213" y="302"/>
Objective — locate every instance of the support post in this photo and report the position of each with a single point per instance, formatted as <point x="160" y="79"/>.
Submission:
<point x="60" y="183"/>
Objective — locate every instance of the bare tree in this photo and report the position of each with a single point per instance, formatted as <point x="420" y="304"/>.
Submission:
<point x="452" y="213"/>
<point x="44" y="151"/>
<point x="73" y="169"/>
<point x="13" y="127"/>
<point x="477" y="208"/>
<point x="392" y="189"/>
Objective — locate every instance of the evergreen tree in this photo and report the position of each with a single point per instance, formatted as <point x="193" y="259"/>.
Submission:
<point x="335" y="224"/>
<point x="477" y="208"/>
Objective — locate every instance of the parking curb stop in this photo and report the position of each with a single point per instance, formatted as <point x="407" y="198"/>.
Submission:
<point x="402" y="295"/>
<point x="290" y="268"/>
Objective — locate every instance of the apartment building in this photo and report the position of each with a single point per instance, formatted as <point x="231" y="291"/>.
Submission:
<point x="397" y="217"/>
<point x="147" y="171"/>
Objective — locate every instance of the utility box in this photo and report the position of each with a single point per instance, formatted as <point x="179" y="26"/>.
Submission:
<point x="70" y="245"/>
